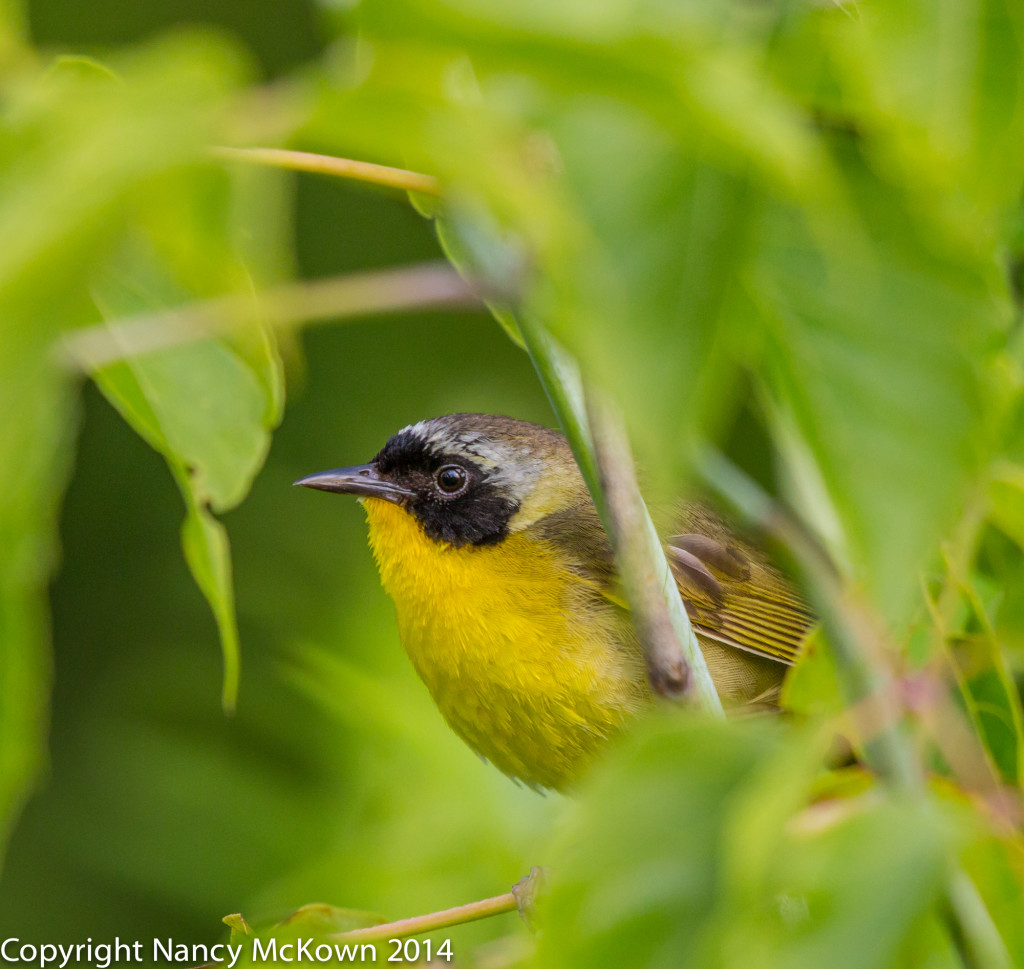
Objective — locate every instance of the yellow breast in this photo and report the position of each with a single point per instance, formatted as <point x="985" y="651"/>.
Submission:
<point x="526" y="660"/>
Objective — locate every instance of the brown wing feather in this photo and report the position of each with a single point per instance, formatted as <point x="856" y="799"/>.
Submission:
<point x="731" y="592"/>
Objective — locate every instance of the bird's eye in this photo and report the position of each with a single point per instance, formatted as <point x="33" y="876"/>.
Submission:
<point x="452" y="479"/>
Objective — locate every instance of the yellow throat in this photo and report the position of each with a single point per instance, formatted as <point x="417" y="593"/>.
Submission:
<point x="526" y="659"/>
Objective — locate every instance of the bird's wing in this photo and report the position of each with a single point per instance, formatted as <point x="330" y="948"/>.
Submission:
<point x="733" y="596"/>
<point x="731" y="593"/>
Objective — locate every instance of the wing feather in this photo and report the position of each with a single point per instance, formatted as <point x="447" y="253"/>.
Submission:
<point x="732" y="594"/>
<point x="756" y="610"/>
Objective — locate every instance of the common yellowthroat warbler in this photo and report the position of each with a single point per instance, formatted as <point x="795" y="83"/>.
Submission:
<point x="508" y="605"/>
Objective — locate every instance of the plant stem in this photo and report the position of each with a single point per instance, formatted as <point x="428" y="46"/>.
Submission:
<point x="304" y="161"/>
<point x="974" y="934"/>
<point x="560" y="377"/>
<point x="419" y="924"/>
<point x="675" y="663"/>
<point x="427" y="285"/>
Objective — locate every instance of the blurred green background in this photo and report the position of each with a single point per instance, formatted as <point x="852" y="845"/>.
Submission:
<point x="336" y="781"/>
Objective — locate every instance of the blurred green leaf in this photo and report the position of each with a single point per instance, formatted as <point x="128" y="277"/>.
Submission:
<point x="12" y="30"/>
<point x="995" y="864"/>
<point x="76" y="145"/>
<point x="993" y="701"/>
<point x="320" y="919"/>
<point x="208" y="553"/>
<point x="36" y="449"/>
<point x="307" y="929"/>
<point x="941" y="84"/>
<point x="689" y="848"/>
<point x="875" y="357"/>
<point x="882" y="868"/>
<point x="812" y="686"/>
<point x="635" y="881"/>
<point x="1006" y="500"/>
<point x="207" y="411"/>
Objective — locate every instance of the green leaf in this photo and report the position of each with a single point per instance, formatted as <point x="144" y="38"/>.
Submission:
<point x="208" y="553"/>
<point x="208" y="408"/>
<point x="35" y="458"/>
<point x="941" y="83"/>
<point x="812" y="686"/>
<point x="75" y="147"/>
<point x="310" y="922"/>
<point x="12" y="29"/>
<point x="690" y="848"/>
<point x="873" y="359"/>
<point x="207" y="405"/>
<point x="320" y="919"/>
<point x="992" y="699"/>
<point x="635" y="879"/>
<point x="1006" y="500"/>
<point x="883" y="867"/>
<point x="240" y="931"/>
<point x="995" y="864"/>
<point x="209" y="413"/>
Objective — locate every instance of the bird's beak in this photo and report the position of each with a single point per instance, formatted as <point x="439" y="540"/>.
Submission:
<point x="362" y="479"/>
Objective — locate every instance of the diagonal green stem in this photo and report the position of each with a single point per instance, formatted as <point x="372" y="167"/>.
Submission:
<point x="560" y="377"/>
<point x="675" y="663"/>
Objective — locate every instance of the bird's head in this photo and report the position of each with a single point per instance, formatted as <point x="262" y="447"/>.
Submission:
<point x="468" y="479"/>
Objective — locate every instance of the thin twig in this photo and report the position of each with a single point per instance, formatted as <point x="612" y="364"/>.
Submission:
<point x="432" y="922"/>
<point x="304" y="161"/>
<point x="427" y="285"/>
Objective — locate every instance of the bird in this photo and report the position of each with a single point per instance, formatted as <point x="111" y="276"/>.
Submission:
<point x="508" y="602"/>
